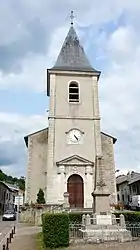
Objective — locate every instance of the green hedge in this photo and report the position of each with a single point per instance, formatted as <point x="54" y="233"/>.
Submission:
<point x="130" y="216"/>
<point x="55" y="229"/>
<point x="75" y="218"/>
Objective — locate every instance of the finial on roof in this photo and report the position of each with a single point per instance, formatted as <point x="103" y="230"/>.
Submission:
<point x="72" y="17"/>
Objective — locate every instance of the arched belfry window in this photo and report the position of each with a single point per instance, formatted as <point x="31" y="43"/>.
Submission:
<point x="73" y="92"/>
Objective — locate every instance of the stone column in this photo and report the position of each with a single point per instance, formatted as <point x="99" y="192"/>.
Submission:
<point x="100" y="193"/>
<point x="89" y="185"/>
<point x="66" y="200"/>
<point x="61" y="183"/>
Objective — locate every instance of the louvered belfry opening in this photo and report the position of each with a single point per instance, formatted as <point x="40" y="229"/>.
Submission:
<point x="73" y="92"/>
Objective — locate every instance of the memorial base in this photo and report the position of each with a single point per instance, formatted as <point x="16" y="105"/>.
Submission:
<point x="104" y="228"/>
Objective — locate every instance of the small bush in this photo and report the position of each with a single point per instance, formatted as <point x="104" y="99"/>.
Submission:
<point x="40" y="197"/>
<point x="55" y="229"/>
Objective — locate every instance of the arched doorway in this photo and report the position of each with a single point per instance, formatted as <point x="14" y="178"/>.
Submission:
<point x="75" y="188"/>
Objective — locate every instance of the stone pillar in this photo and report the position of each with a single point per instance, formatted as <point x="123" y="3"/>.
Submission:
<point x="100" y="193"/>
<point x="97" y="132"/>
<point x="88" y="220"/>
<point x="66" y="200"/>
<point x="122" y="221"/>
<point x="89" y="186"/>
<point x="61" y="183"/>
<point x="83" y="220"/>
<point x="114" y="222"/>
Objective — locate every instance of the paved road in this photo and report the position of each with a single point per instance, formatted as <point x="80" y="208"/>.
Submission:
<point x="5" y="228"/>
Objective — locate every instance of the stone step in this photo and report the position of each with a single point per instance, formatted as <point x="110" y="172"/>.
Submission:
<point x="106" y="227"/>
<point x="107" y="235"/>
<point x="81" y="210"/>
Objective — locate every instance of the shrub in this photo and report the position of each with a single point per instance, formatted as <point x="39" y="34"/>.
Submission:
<point x="55" y="229"/>
<point x="40" y="197"/>
<point x="75" y="218"/>
<point x="131" y="217"/>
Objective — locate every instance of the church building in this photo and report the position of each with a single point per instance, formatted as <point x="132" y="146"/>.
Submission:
<point x="62" y="156"/>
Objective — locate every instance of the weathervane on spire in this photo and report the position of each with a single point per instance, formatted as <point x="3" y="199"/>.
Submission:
<point x="72" y="17"/>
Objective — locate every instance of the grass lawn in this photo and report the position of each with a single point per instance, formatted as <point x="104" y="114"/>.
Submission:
<point x="40" y="245"/>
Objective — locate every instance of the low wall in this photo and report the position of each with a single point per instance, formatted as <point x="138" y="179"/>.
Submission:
<point x="33" y="215"/>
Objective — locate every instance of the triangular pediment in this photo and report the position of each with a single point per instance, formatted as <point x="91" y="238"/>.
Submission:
<point x="75" y="160"/>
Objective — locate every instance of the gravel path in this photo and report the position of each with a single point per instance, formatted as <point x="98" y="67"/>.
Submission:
<point x="24" y="242"/>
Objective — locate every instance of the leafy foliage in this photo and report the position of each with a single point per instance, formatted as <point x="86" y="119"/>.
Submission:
<point x="40" y="197"/>
<point x="20" y="182"/>
<point x="130" y="216"/>
<point x="55" y="229"/>
<point x="75" y="218"/>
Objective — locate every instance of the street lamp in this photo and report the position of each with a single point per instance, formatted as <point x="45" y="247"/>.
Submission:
<point x="117" y="170"/>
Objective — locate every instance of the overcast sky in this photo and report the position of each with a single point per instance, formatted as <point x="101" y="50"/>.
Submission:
<point x="31" y="35"/>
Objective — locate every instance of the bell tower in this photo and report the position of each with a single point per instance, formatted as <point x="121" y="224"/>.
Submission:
<point x="74" y="118"/>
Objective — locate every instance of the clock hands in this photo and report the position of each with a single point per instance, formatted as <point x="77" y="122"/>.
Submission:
<point x="76" y="137"/>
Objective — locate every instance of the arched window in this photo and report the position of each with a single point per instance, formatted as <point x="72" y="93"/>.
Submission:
<point x="73" y="92"/>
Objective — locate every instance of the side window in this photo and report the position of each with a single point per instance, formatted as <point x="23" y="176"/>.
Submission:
<point x="73" y="92"/>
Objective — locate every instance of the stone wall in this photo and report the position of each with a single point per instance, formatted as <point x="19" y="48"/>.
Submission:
<point x="34" y="216"/>
<point x="37" y="165"/>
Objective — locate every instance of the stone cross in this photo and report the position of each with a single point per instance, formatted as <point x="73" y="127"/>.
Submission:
<point x="72" y="17"/>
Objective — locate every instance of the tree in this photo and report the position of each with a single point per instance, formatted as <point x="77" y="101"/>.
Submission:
<point x="40" y="197"/>
<point x="20" y="182"/>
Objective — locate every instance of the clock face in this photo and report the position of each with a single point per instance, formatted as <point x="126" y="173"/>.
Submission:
<point x="75" y="135"/>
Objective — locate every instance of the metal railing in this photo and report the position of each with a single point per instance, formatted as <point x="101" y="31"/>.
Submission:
<point x="89" y="219"/>
<point x="134" y="228"/>
<point x="75" y="231"/>
<point x="56" y="208"/>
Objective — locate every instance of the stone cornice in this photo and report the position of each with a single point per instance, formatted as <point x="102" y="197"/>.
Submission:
<point x="75" y="118"/>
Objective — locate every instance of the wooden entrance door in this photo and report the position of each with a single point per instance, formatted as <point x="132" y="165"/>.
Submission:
<point x="75" y="189"/>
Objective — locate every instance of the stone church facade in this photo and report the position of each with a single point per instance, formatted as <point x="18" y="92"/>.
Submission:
<point x="61" y="158"/>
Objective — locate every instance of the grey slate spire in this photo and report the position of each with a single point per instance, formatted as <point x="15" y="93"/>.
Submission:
<point x="72" y="55"/>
